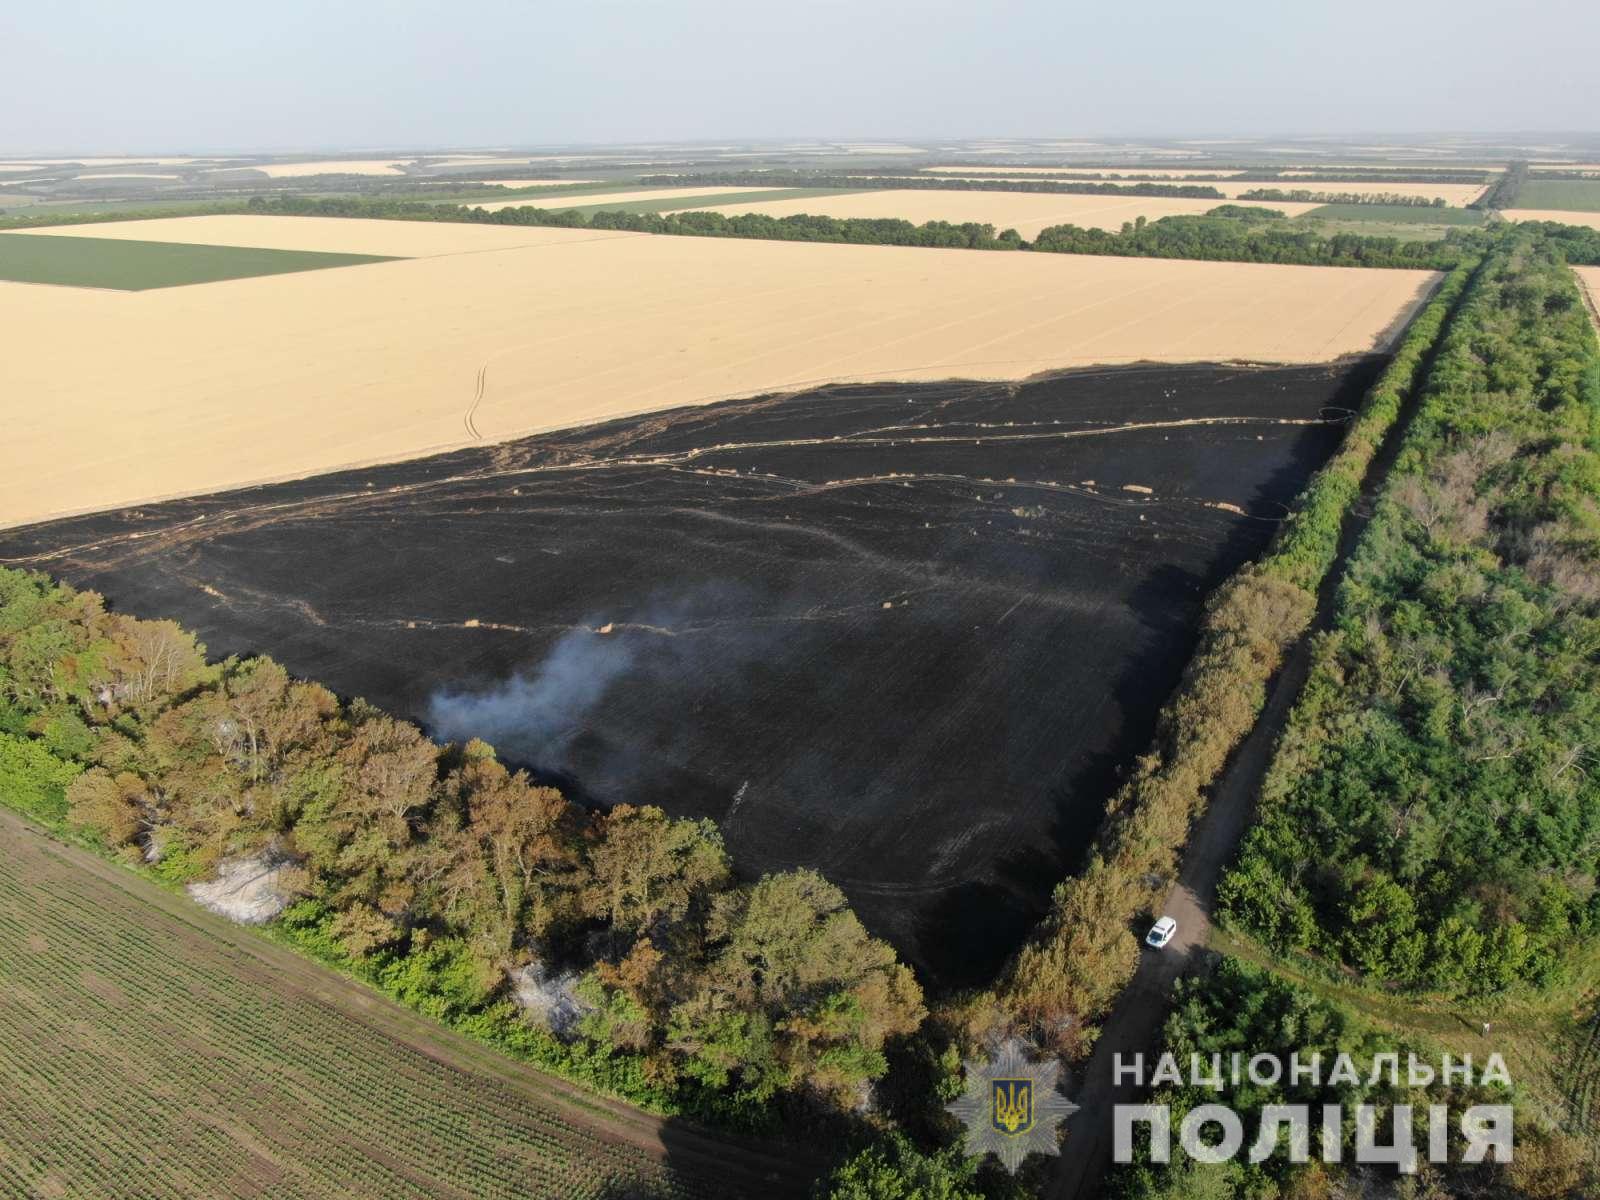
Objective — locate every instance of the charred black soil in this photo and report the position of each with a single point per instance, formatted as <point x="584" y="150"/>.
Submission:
<point x="904" y="634"/>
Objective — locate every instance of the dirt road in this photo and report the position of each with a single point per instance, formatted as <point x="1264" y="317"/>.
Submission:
<point x="1134" y="1026"/>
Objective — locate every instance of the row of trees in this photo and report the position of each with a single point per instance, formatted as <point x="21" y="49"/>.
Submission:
<point x="1506" y="189"/>
<point x="1228" y="233"/>
<point x="437" y="872"/>
<point x="1312" y="196"/>
<point x="1335" y="175"/>
<point x="1084" y="953"/>
<point x="1578" y="244"/>
<point x="1236" y="233"/>
<point x="858" y="181"/>
<point x="1231" y="232"/>
<point x="1432" y="818"/>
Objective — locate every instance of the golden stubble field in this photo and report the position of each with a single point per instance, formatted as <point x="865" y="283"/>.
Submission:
<point x="1026" y="212"/>
<point x="1589" y="279"/>
<point x="118" y="398"/>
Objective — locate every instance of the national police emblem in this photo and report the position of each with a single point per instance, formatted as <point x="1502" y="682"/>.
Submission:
<point x="1011" y="1106"/>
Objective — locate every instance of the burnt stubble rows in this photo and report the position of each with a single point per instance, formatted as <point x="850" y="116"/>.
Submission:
<point x="905" y="634"/>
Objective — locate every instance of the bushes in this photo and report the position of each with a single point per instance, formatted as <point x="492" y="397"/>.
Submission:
<point x="34" y="781"/>
<point x="1241" y="1009"/>
<point x="1072" y="969"/>
<point x="1305" y="548"/>
<point x="895" y="1169"/>
<point x="1430" y="818"/>
<point x="1084" y="952"/>
<point x="1320" y="196"/>
<point x="1224" y="234"/>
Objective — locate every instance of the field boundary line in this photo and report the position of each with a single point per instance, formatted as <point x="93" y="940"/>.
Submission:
<point x="1588" y="298"/>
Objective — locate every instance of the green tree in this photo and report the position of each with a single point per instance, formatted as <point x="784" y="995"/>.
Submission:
<point x="646" y="867"/>
<point x="894" y="1169"/>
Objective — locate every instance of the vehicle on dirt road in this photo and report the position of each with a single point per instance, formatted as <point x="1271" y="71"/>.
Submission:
<point x="1161" y="933"/>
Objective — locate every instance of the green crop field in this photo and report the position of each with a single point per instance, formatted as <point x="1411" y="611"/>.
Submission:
<point x="147" y="1050"/>
<point x="1574" y="195"/>
<point x="1394" y="214"/>
<point x="138" y="266"/>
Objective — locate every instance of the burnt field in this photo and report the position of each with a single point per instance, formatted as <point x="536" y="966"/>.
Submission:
<point x="905" y="634"/>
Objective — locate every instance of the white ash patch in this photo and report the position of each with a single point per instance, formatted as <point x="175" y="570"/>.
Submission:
<point x="548" y="996"/>
<point x="248" y="889"/>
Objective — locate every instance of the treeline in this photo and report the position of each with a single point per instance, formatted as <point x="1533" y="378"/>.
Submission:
<point x="801" y="227"/>
<point x="29" y="220"/>
<point x="442" y="876"/>
<point x="824" y="179"/>
<point x="1331" y="175"/>
<point x="1578" y="244"/>
<point x="1506" y="189"/>
<point x="1084" y="952"/>
<point x="1231" y="232"/>
<point x="1228" y="233"/>
<point x="1235" y="233"/>
<point x="1432" y="817"/>
<point x="1308" y="196"/>
<point x="1239" y="1007"/>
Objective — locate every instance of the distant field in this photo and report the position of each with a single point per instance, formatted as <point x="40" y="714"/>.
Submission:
<point x="36" y="207"/>
<point x="148" y="1052"/>
<point x="136" y="266"/>
<point x="331" y="235"/>
<point x="517" y="184"/>
<point x="689" y="203"/>
<point x="1560" y="216"/>
<point x="298" y="170"/>
<point x="1026" y="212"/>
<point x="1574" y="195"/>
<point x="653" y="198"/>
<point x="1158" y="174"/>
<point x="1456" y="194"/>
<point x="504" y="331"/>
<point x="1394" y="214"/>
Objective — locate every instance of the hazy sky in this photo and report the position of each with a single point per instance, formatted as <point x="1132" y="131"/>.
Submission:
<point x="94" y="75"/>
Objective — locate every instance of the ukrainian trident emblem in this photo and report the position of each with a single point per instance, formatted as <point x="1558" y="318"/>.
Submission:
<point x="1011" y="1106"/>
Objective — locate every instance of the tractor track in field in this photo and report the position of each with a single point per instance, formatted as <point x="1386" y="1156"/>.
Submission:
<point x="1582" y="1078"/>
<point x="470" y="417"/>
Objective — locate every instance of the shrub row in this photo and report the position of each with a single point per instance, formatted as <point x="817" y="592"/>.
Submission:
<point x="1084" y="952"/>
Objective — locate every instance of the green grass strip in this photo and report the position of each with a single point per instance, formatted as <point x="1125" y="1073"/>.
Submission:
<point x="1395" y="214"/>
<point x="136" y="266"/>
